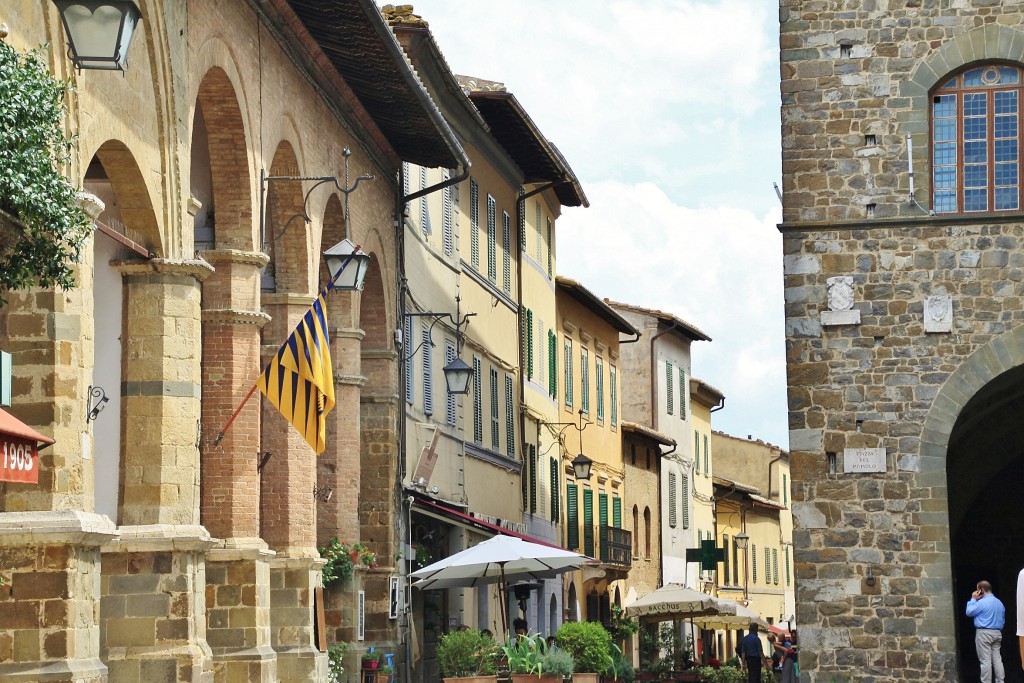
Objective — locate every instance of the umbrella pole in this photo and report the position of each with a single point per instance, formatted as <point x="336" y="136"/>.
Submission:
<point x="503" y="602"/>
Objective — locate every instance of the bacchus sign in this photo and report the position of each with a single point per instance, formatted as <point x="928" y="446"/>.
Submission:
<point x="19" y="450"/>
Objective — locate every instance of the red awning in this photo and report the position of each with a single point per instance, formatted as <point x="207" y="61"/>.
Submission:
<point x="15" y="427"/>
<point x="479" y="523"/>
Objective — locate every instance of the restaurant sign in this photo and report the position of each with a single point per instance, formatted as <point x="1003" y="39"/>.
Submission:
<point x="19" y="459"/>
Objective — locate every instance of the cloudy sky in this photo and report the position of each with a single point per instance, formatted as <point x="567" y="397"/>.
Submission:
<point x="668" y="112"/>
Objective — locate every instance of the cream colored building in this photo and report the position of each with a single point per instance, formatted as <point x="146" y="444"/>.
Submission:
<point x="704" y="400"/>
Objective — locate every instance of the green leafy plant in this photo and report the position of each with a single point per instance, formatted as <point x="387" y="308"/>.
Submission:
<point x="525" y="654"/>
<point x="622" y="669"/>
<point x="620" y="626"/>
<point x="33" y="147"/>
<point x="466" y="653"/>
<point x="557" y="662"/>
<point x="342" y="559"/>
<point x="335" y="655"/>
<point x="589" y="644"/>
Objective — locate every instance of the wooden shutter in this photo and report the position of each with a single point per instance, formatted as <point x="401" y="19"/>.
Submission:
<point x="588" y="522"/>
<point x="616" y="512"/>
<point x="787" y="565"/>
<point x="785" y="490"/>
<point x="668" y="387"/>
<point x="533" y="479"/>
<point x="424" y="209"/>
<point x="555" y="511"/>
<point x="672" y="501"/>
<point x="540" y="237"/>
<point x="753" y="562"/>
<point x="696" y="451"/>
<point x="448" y="215"/>
<point x="550" y="249"/>
<point x="478" y="401"/>
<point x="428" y="371"/>
<point x="449" y="356"/>
<point x="599" y="376"/>
<point x="584" y="379"/>
<point x="602" y="509"/>
<point x="707" y="464"/>
<point x="510" y="418"/>
<point x="506" y="252"/>
<point x="492" y="240"/>
<point x="409" y="362"/>
<point x="613" y="394"/>
<point x="572" y="538"/>
<point x="521" y="213"/>
<point x="686" y="500"/>
<point x="725" y="558"/>
<point x="552" y="364"/>
<point x="529" y="343"/>
<point x="474" y="224"/>
<point x="495" y="423"/>
<point x="775" y="566"/>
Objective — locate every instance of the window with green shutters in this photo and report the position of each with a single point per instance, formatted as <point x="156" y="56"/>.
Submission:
<point x="555" y="488"/>
<point x="775" y="566"/>
<point x="552" y="364"/>
<point x="753" y="563"/>
<point x="538" y="248"/>
<point x="529" y="343"/>
<point x="616" y="512"/>
<point x="735" y="563"/>
<point x="533" y="479"/>
<point x="599" y="377"/>
<point x="588" y="522"/>
<point x="506" y="252"/>
<point x="707" y="466"/>
<point x="524" y="478"/>
<point x="767" y="565"/>
<point x="585" y="380"/>
<point x="521" y="212"/>
<point x="551" y="269"/>
<point x="572" y="513"/>
<point x="725" y="558"/>
<point x="568" y="372"/>
<point x="474" y="224"/>
<point x="510" y="424"/>
<point x="785" y="490"/>
<point x="613" y="394"/>
<point x="672" y="501"/>
<point x="669" y="394"/>
<point x="787" y="565"/>
<point x="682" y="394"/>
<point x="495" y="423"/>
<point x="478" y="401"/>
<point x="492" y="240"/>
<point x="685" y="489"/>
<point x="602" y="509"/>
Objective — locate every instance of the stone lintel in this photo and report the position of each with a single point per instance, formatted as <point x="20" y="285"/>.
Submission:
<point x="71" y="527"/>
<point x="253" y="258"/>
<point x="192" y="268"/>
<point x="160" y="538"/>
<point x="379" y="354"/>
<point x="234" y="549"/>
<point x="231" y="316"/>
<point x="350" y="380"/>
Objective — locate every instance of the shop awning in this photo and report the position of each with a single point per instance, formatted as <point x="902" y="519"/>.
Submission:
<point x="432" y="509"/>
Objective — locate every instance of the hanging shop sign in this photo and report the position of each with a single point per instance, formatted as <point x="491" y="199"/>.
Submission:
<point x="19" y="450"/>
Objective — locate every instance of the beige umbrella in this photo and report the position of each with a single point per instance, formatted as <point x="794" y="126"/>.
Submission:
<point x="674" y="601"/>
<point x="732" y="616"/>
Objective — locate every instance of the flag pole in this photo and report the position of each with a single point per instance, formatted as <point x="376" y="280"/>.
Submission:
<point x="252" y="390"/>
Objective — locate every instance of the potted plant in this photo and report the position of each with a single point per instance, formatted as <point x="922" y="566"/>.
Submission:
<point x="590" y="646"/>
<point x="383" y="674"/>
<point x="370" y="660"/>
<point x="622" y="669"/>
<point x="342" y="558"/>
<point x="467" y="655"/>
<point x="557" y="663"/>
<point x="527" y="657"/>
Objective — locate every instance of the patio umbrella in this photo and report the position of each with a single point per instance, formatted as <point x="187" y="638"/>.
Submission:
<point x="496" y="560"/>
<point x="674" y="601"/>
<point x="733" y="616"/>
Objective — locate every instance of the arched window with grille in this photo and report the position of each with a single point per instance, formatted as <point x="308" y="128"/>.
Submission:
<point x="976" y="136"/>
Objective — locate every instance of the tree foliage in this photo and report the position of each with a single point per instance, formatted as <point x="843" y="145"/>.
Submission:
<point x="33" y="147"/>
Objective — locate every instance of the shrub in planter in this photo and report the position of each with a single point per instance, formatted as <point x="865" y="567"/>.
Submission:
<point x="557" y="662"/>
<point x="370" y="660"/>
<point x="342" y="559"/>
<point x="589" y="644"/>
<point x="525" y="655"/>
<point x="466" y="654"/>
<point x="622" y="669"/>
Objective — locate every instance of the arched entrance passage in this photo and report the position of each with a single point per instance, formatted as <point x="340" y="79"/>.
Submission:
<point x="985" y="471"/>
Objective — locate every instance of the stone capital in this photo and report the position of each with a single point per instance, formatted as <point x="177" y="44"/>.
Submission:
<point x="193" y="268"/>
<point x="230" y="316"/>
<point x="234" y="549"/>
<point x="303" y="301"/>
<point x="160" y="537"/>
<point x="71" y="527"/>
<point x="253" y="258"/>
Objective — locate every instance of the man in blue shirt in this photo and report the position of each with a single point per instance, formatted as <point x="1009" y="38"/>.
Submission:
<point x="989" y="619"/>
<point x="752" y="655"/>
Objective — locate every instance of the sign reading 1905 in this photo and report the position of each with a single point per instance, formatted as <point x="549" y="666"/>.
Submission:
<point x="19" y="460"/>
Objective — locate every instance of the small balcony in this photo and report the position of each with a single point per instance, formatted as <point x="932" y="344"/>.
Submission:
<point x="615" y="546"/>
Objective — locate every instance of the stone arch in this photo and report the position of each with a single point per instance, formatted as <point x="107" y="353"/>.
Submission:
<point x="135" y="215"/>
<point x="286" y="236"/>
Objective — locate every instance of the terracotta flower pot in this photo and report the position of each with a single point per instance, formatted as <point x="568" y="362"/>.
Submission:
<point x="585" y="678"/>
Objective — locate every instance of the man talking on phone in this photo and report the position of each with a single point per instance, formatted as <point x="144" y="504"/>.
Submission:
<point x="989" y="618"/>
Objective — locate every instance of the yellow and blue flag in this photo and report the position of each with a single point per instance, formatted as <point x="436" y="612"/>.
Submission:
<point x="299" y="381"/>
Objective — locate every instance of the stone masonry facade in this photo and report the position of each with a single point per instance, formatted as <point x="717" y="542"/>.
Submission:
<point x="856" y="81"/>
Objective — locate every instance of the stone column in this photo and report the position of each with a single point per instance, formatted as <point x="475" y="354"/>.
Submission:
<point x="152" y="616"/>
<point x="237" y="568"/>
<point x="288" y="516"/>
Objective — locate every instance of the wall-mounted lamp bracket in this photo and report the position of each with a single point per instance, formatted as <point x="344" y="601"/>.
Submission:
<point x="95" y="403"/>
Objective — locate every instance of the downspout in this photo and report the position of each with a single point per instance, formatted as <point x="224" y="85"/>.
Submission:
<point x="654" y="374"/>
<point x="770" y="463"/>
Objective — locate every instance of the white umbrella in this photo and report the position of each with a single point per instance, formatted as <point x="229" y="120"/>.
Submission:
<point x="497" y="559"/>
<point x="674" y="601"/>
<point x="734" y="616"/>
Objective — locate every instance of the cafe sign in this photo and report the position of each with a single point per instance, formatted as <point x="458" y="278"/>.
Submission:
<point x="19" y="450"/>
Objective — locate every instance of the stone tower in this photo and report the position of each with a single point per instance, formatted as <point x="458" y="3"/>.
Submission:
<point x="904" y="263"/>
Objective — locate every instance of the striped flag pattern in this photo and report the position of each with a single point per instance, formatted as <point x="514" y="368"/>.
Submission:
<point x="299" y="381"/>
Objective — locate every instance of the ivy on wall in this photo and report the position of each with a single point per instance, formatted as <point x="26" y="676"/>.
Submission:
<point x="51" y="229"/>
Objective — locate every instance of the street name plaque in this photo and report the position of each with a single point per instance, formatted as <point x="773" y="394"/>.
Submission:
<point x="863" y="460"/>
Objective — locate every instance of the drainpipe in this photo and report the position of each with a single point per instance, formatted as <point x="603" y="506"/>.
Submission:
<point x="654" y="374"/>
<point x="770" y="463"/>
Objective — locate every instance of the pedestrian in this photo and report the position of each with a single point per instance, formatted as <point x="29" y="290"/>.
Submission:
<point x="752" y="655"/>
<point x="790" y="668"/>
<point x="989" y="618"/>
<point x="519" y="626"/>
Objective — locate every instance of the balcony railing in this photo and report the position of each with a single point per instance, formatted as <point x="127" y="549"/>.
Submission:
<point x="615" y="546"/>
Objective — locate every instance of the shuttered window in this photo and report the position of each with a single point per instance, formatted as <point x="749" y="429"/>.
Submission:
<point x="753" y="563"/>
<point x="521" y="213"/>
<point x="533" y="479"/>
<point x="424" y="210"/>
<point x="492" y="240"/>
<point x="682" y="394"/>
<point x="405" y="178"/>
<point x="550" y="247"/>
<point x="735" y="563"/>
<point x="696" y="451"/>
<point x="555" y="507"/>
<point x="572" y="530"/>
<point x="588" y="522"/>
<point x="506" y="252"/>
<point x="672" y="502"/>
<point x="669" y="394"/>
<point x="428" y="371"/>
<point x="495" y="423"/>
<point x="510" y="422"/>
<point x="599" y="377"/>
<point x="707" y="465"/>
<point x="613" y="394"/>
<point x="767" y="565"/>
<point x="529" y="343"/>
<point x="478" y="401"/>
<point x="449" y="410"/>
<point x="585" y="380"/>
<point x="448" y="215"/>
<point x="542" y="365"/>
<point x="725" y="558"/>
<point x="787" y="565"/>
<point x="775" y="566"/>
<point x="410" y="393"/>
<point x="568" y="372"/>
<point x="524" y="478"/>
<point x="474" y="224"/>
<point x="539" y="247"/>
<point x="616" y="512"/>
<point x="685" y="500"/>
<point x="785" y="490"/>
<point x="552" y="364"/>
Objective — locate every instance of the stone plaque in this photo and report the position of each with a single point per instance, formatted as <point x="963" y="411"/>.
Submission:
<point x="840" y="302"/>
<point x="938" y="313"/>
<point x="864" y="460"/>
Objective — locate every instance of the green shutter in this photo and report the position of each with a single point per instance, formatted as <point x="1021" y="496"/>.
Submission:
<point x="614" y="394"/>
<point x="572" y="538"/>
<point x="478" y="401"/>
<point x="588" y="522"/>
<point x="554" y="490"/>
<point x="616" y="512"/>
<point x="568" y="372"/>
<point x="696" y="451"/>
<point x="529" y="343"/>
<point x="668" y="386"/>
<point x="682" y="394"/>
<point x="533" y="479"/>
<point x="686" y="501"/>
<point x="775" y="565"/>
<point x="525" y="478"/>
<point x="602" y="509"/>
<point x="672" y="502"/>
<point x="599" y="376"/>
<point x="785" y="490"/>
<point x="787" y="565"/>
<point x="707" y="467"/>
<point x="725" y="558"/>
<point x="552" y="364"/>
<point x="474" y="224"/>
<point x="753" y="563"/>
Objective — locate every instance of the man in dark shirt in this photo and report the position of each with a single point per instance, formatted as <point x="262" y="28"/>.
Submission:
<point x="752" y="655"/>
